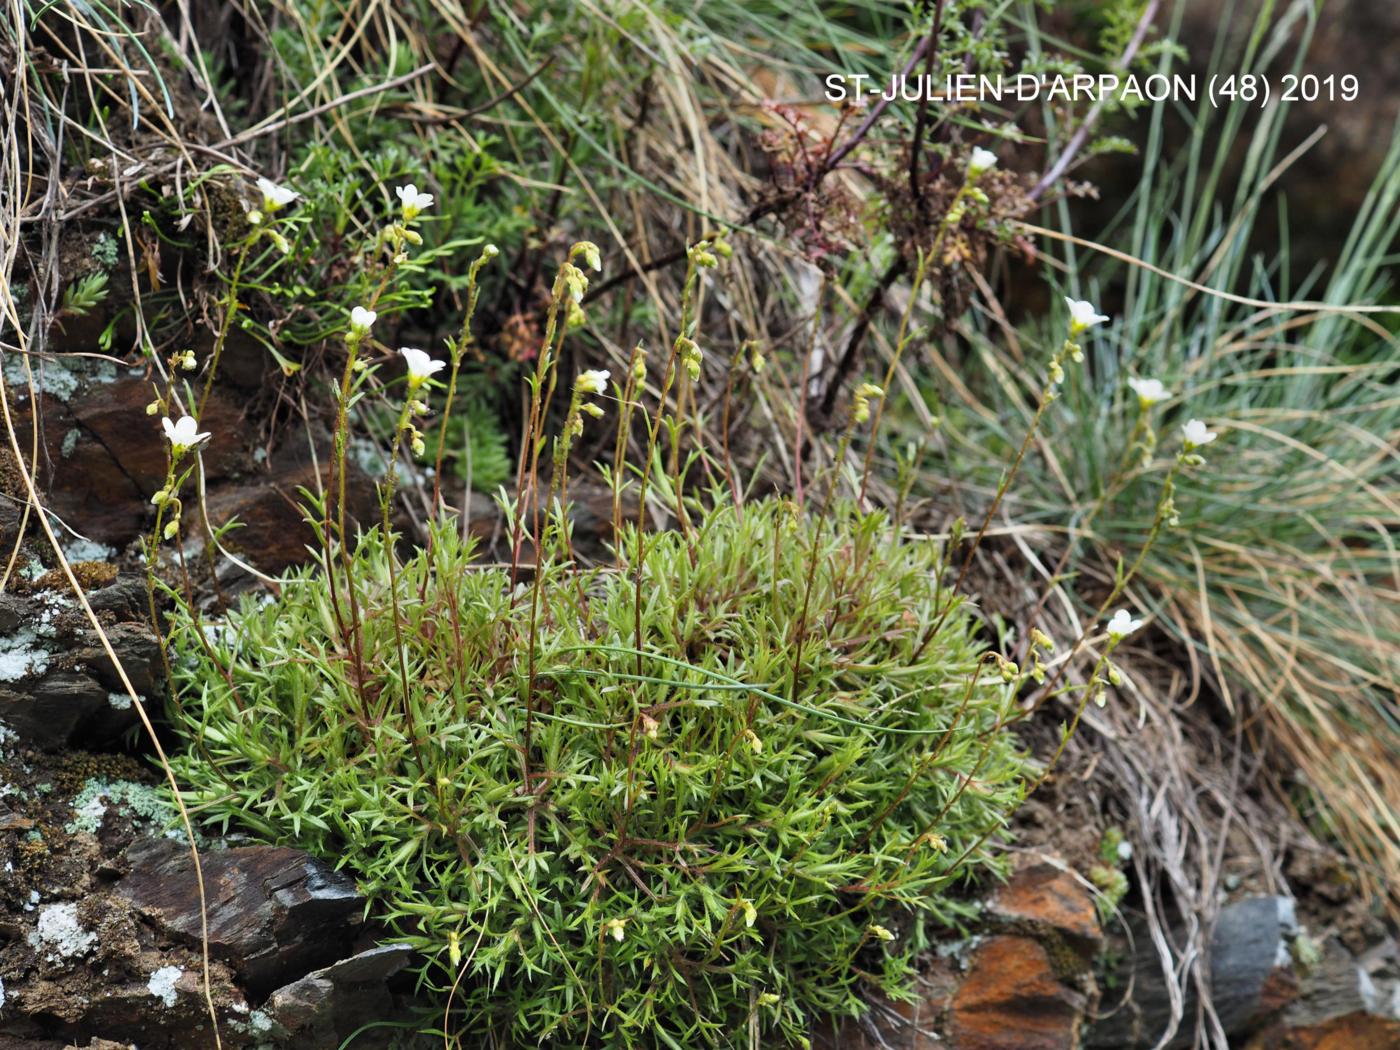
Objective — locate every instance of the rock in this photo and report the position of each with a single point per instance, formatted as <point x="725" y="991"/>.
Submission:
<point x="125" y="600"/>
<point x="48" y="712"/>
<point x="306" y="1004"/>
<point x="274" y="913"/>
<point x="58" y="686"/>
<point x="329" y="1004"/>
<point x="1358" y="1031"/>
<point x="1343" y="1003"/>
<point x="1026" y="984"/>
<point x="13" y="612"/>
<point x="1252" y="979"/>
<point x="375" y="964"/>
<point x="1250" y="969"/>
<point x="137" y="649"/>
<point x="99" y="930"/>
<point x="83" y="484"/>
<point x="1047" y="898"/>
<point x="115" y="414"/>
<point x="1013" y="999"/>
<point x="101" y="456"/>
<point x="272" y="531"/>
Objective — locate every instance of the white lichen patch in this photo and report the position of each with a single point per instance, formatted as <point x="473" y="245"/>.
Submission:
<point x="81" y="549"/>
<point x="368" y="456"/>
<point x="52" y="603"/>
<point x="55" y="378"/>
<point x="22" y="653"/>
<point x="21" y="656"/>
<point x="162" y="984"/>
<point x="371" y="458"/>
<point x="88" y="816"/>
<point x="59" y="933"/>
<point x="141" y="803"/>
<point x="122" y="701"/>
<point x="70" y="441"/>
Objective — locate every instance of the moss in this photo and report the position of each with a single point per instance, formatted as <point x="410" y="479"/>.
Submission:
<point x="32" y="852"/>
<point x="11" y="478"/>
<point x="1066" y="961"/>
<point x="75" y="769"/>
<point x="91" y="576"/>
<point x="1113" y="887"/>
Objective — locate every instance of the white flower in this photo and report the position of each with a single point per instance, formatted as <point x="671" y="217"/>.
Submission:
<point x="593" y="381"/>
<point x="275" y="196"/>
<point x="413" y="201"/>
<point x="615" y="928"/>
<point x="420" y="366"/>
<point x="981" y="162"/>
<point x="1196" y="434"/>
<point x="362" y="320"/>
<point x="880" y="933"/>
<point x="1082" y="315"/>
<point x="1149" y="391"/>
<point x="1122" y="625"/>
<point x="183" y="435"/>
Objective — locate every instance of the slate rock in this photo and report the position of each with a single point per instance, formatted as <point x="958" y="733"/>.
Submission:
<point x="1013" y="999"/>
<point x="1252" y="979"/>
<point x="59" y="684"/>
<point x="1047" y="898"/>
<point x="274" y="913"/>
<point x="267" y="504"/>
<point x="330" y="1004"/>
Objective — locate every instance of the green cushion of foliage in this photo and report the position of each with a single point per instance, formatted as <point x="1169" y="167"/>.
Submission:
<point x="751" y="844"/>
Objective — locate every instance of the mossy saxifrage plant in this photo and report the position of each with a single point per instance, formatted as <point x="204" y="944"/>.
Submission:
<point x="729" y="783"/>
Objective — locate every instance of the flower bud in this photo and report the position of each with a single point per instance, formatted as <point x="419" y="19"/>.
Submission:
<point x="591" y="256"/>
